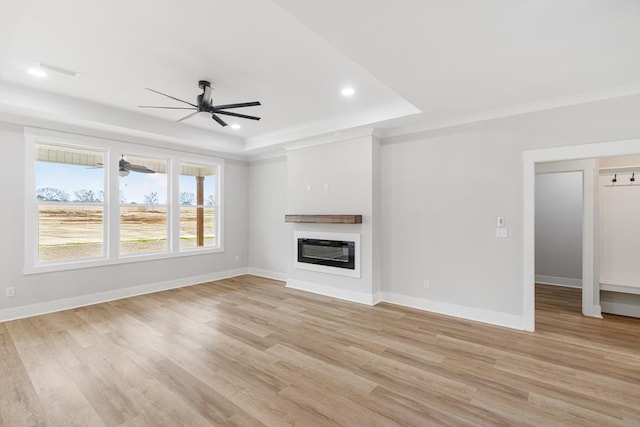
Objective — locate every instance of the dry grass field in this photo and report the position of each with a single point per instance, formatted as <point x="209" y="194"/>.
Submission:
<point x="69" y="232"/>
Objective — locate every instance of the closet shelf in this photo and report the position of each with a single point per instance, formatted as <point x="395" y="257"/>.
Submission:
<point x="620" y="288"/>
<point x="619" y="169"/>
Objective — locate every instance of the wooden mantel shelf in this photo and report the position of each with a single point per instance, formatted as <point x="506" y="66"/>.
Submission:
<point x="324" y="219"/>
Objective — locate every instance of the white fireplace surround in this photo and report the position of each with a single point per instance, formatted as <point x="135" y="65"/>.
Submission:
<point x="350" y="237"/>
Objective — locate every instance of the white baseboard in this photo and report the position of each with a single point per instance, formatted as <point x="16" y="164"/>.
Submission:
<point x="559" y="281"/>
<point x="377" y="298"/>
<point x="621" y="309"/>
<point x="470" y="313"/>
<point x="274" y="275"/>
<point x="330" y="291"/>
<point x="85" y="300"/>
<point x="596" y="311"/>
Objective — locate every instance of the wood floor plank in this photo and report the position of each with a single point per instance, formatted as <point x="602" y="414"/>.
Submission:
<point x="19" y="403"/>
<point x="248" y="351"/>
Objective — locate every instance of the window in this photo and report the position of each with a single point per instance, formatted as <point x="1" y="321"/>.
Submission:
<point x="197" y="206"/>
<point x="143" y="205"/>
<point x="70" y="203"/>
<point x="97" y="202"/>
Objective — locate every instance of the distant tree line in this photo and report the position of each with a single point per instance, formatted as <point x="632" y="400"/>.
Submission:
<point x="50" y="194"/>
<point x="189" y="199"/>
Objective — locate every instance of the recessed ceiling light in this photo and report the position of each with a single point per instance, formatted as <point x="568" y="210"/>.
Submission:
<point x="235" y="126"/>
<point x="37" y="72"/>
<point x="348" y="91"/>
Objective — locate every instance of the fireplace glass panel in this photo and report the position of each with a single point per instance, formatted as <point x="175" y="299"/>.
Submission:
<point x="333" y="253"/>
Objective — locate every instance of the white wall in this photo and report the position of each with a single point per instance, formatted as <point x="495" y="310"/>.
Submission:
<point x="441" y="197"/>
<point x="442" y="191"/>
<point x="111" y="280"/>
<point x="269" y="236"/>
<point x="348" y="168"/>
<point x="559" y="212"/>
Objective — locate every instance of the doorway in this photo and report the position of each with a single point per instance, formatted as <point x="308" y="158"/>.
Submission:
<point x="559" y="227"/>
<point x="530" y="160"/>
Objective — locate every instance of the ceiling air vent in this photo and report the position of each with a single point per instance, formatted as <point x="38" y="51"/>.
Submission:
<point x="60" y="70"/>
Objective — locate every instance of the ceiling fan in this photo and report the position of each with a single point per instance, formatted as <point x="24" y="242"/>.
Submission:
<point x="204" y="104"/>
<point x="124" y="167"/>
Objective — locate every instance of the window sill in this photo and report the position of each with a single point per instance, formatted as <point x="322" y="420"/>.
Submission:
<point x="127" y="259"/>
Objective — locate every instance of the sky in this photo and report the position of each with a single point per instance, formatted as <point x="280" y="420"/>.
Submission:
<point x="72" y="178"/>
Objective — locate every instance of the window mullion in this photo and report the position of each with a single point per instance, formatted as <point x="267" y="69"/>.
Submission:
<point x="174" y="206"/>
<point x="112" y="217"/>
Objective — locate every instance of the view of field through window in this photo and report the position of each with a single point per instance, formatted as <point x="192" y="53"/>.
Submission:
<point x="71" y="206"/>
<point x="143" y="206"/>
<point x="197" y="206"/>
<point x="70" y="196"/>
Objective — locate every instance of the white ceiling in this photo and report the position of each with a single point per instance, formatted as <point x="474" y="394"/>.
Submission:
<point x="413" y="63"/>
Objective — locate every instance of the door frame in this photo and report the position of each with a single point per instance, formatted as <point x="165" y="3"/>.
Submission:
<point x="590" y="274"/>
<point x="556" y="154"/>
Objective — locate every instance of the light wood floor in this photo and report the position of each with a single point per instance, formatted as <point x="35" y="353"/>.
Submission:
<point x="247" y="351"/>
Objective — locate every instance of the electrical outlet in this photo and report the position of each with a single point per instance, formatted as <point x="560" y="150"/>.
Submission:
<point x="426" y="284"/>
<point x="9" y="292"/>
<point x="237" y="258"/>
<point x="502" y="233"/>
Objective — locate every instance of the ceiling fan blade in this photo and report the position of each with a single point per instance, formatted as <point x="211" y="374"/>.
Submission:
<point x="187" y="116"/>
<point x="172" y="97"/>
<point x="218" y="119"/>
<point x="242" y="116"/>
<point x="167" y="108"/>
<point x="139" y="168"/>
<point x="242" y="104"/>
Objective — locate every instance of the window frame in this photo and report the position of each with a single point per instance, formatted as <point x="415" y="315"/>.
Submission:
<point x="111" y="203"/>
<point x="167" y="159"/>
<point x="216" y="206"/>
<point x="38" y="203"/>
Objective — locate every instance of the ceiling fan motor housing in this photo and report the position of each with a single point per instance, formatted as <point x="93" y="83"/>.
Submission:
<point x="204" y="99"/>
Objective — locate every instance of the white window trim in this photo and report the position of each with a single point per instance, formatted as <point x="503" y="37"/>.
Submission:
<point x="111" y="213"/>
<point x="114" y="236"/>
<point x="176" y="202"/>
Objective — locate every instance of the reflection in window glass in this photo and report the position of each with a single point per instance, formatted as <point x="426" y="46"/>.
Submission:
<point x="70" y="199"/>
<point x="143" y="205"/>
<point x="198" y="206"/>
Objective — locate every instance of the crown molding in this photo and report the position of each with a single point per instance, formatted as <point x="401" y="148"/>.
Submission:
<point x="533" y="107"/>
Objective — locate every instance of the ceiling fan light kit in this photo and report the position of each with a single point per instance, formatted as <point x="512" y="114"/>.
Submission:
<point x="204" y="104"/>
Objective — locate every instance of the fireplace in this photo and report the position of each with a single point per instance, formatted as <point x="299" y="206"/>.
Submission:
<point x="335" y="253"/>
